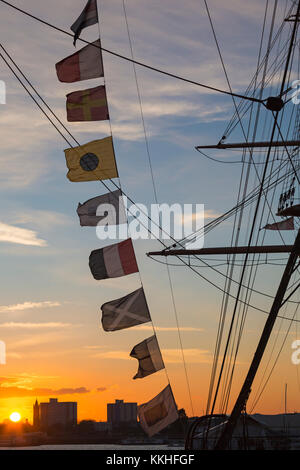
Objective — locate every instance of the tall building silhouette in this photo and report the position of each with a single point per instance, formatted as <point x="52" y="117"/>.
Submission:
<point x="121" y="412"/>
<point x="36" y="415"/>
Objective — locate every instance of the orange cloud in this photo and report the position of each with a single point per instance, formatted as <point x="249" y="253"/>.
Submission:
<point x="28" y="306"/>
<point x="10" y="392"/>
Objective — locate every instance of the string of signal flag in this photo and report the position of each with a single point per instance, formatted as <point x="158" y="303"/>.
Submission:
<point x="141" y="64"/>
<point x="94" y="161"/>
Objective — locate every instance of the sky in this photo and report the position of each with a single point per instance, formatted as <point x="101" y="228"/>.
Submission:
<point x="50" y="315"/>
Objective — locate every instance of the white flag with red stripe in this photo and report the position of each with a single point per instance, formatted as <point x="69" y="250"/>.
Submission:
<point x="113" y="261"/>
<point x="83" y="65"/>
<point x="287" y="224"/>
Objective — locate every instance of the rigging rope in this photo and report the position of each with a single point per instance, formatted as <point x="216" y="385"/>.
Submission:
<point x="116" y="186"/>
<point x="243" y="273"/>
<point x="120" y="56"/>
<point x="156" y="200"/>
<point x="68" y="142"/>
<point x="42" y="110"/>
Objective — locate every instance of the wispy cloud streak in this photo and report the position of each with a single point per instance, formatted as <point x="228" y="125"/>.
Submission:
<point x="28" y="306"/>
<point x="35" y="326"/>
<point x="20" y="236"/>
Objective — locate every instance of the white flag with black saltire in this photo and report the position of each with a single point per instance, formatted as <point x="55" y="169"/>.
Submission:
<point x="158" y="413"/>
<point x="130" y="310"/>
<point x="149" y="356"/>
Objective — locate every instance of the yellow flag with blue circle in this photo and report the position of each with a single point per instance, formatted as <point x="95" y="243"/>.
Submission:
<point x="92" y="161"/>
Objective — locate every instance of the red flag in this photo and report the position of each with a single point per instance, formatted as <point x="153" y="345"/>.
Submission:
<point x="83" y="65"/>
<point x="287" y="224"/>
<point x="87" y="105"/>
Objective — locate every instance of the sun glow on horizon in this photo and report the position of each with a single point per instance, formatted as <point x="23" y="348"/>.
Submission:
<point x="15" y="417"/>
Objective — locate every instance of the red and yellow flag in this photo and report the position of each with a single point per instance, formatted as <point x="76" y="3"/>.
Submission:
<point x="87" y="105"/>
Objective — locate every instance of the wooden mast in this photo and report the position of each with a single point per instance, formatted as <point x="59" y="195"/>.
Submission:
<point x="226" y="250"/>
<point x="247" y="145"/>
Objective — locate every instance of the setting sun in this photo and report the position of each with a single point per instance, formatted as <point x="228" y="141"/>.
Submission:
<point x="15" y="417"/>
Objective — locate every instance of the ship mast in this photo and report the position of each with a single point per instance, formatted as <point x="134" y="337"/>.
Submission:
<point x="277" y="303"/>
<point x="275" y="104"/>
<point x="246" y="389"/>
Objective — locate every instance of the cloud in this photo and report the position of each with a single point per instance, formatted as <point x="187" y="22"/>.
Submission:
<point x="112" y="355"/>
<point x="45" y="220"/>
<point x="10" y="392"/>
<point x="69" y="391"/>
<point x="28" y="306"/>
<point x="23" y="380"/>
<point x="35" y="376"/>
<point x="30" y="127"/>
<point x="21" y="236"/>
<point x="192" y="355"/>
<point x="36" y="325"/>
<point x="14" y="355"/>
<point x="127" y="126"/>
<point x="42" y="338"/>
<point x="182" y="51"/>
<point x="6" y="380"/>
<point x="156" y="108"/>
<point x="211" y="214"/>
<point x="101" y="389"/>
<point x="166" y="328"/>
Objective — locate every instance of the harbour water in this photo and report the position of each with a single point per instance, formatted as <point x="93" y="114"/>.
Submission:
<point x="111" y="447"/>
